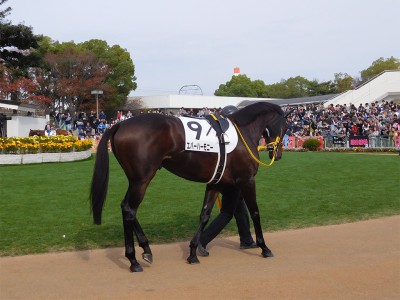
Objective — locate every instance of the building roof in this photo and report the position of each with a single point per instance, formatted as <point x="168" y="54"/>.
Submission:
<point x="292" y="101"/>
<point x="9" y="104"/>
<point x="198" y="102"/>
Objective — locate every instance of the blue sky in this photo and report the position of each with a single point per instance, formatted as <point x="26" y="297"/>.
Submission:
<point x="182" y="42"/>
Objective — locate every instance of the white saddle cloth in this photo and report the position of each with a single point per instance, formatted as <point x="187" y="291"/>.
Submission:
<point x="200" y="136"/>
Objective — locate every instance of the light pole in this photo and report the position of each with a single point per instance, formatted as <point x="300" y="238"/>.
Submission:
<point x="97" y="93"/>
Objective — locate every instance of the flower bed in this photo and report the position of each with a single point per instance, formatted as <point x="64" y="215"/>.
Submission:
<point x="43" y="149"/>
<point x="48" y="144"/>
<point x="361" y="149"/>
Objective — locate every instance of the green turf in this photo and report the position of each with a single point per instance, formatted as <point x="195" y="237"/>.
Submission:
<point x="39" y="204"/>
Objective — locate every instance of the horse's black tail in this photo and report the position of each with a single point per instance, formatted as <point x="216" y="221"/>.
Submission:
<point x="98" y="191"/>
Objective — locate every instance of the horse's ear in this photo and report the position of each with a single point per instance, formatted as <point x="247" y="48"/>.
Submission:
<point x="288" y="113"/>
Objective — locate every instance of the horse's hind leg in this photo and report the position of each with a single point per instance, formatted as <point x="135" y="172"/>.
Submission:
<point x="129" y="207"/>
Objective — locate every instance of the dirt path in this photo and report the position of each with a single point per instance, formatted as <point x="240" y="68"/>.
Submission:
<point x="351" y="261"/>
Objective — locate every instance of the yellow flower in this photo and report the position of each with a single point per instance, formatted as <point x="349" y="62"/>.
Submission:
<point x="43" y="144"/>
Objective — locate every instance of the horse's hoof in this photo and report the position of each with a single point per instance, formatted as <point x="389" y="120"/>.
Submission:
<point x="267" y="253"/>
<point x="193" y="260"/>
<point x="136" y="268"/>
<point x="147" y="257"/>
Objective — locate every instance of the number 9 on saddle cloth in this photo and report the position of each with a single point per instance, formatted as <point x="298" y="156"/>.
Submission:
<point x="220" y="123"/>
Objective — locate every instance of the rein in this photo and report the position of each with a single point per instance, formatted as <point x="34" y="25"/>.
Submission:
<point x="274" y="144"/>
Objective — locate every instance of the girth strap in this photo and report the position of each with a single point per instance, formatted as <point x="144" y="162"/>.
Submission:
<point x="216" y="123"/>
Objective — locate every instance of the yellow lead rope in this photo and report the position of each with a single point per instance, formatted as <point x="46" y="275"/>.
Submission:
<point x="274" y="144"/>
<point x="219" y="202"/>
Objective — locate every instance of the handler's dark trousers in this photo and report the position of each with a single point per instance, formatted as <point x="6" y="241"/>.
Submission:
<point x="232" y="205"/>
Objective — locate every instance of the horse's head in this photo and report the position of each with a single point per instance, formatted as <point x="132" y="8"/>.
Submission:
<point x="274" y="134"/>
<point x="268" y="119"/>
<point x="36" y="132"/>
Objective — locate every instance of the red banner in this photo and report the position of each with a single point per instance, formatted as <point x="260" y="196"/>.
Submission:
<point x="291" y="142"/>
<point x="359" y="141"/>
<point x="397" y="141"/>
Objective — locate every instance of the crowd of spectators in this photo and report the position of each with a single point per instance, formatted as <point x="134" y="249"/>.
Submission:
<point x="86" y="125"/>
<point x="379" y="118"/>
<point x="371" y="119"/>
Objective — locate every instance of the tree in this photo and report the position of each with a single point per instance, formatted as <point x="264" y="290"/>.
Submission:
<point x="343" y="82"/>
<point x="5" y="12"/>
<point x="69" y="75"/>
<point x="18" y="53"/>
<point x="122" y="78"/>
<point x="296" y="87"/>
<point x="238" y="86"/>
<point x="293" y="87"/>
<point x="72" y="71"/>
<point x="20" y="88"/>
<point x="35" y="68"/>
<point x="17" y="47"/>
<point x="278" y="90"/>
<point x="378" y="66"/>
<point x="260" y="88"/>
<point x="134" y="105"/>
<point x="317" y="88"/>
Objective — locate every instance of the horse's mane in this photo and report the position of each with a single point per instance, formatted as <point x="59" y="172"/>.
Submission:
<point x="247" y="114"/>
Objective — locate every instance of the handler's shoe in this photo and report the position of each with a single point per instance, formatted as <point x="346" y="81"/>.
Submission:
<point x="248" y="246"/>
<point x="202" y="251"/>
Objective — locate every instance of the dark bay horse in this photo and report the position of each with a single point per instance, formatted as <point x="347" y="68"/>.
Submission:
<point x="144" y="144"/>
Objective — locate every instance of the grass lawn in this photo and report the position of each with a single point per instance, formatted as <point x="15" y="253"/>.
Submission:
<point x="40" y="204"/>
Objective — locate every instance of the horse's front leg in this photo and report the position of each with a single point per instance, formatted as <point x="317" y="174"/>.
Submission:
<point x="143" y="242"/>
<point x="208" y="203"/>
<point x="249" y="194"/>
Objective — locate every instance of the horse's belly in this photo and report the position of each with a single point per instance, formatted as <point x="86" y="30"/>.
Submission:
<point x="193" y="166"/>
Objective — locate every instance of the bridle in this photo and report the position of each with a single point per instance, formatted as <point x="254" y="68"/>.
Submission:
<point x="274" y="145"/>
<point x="271" y="146"/>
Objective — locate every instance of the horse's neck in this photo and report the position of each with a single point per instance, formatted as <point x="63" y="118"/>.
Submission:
<point x="263" y="122"/>
<point x="255" y="129"/>
<point x="260" y="124"/>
